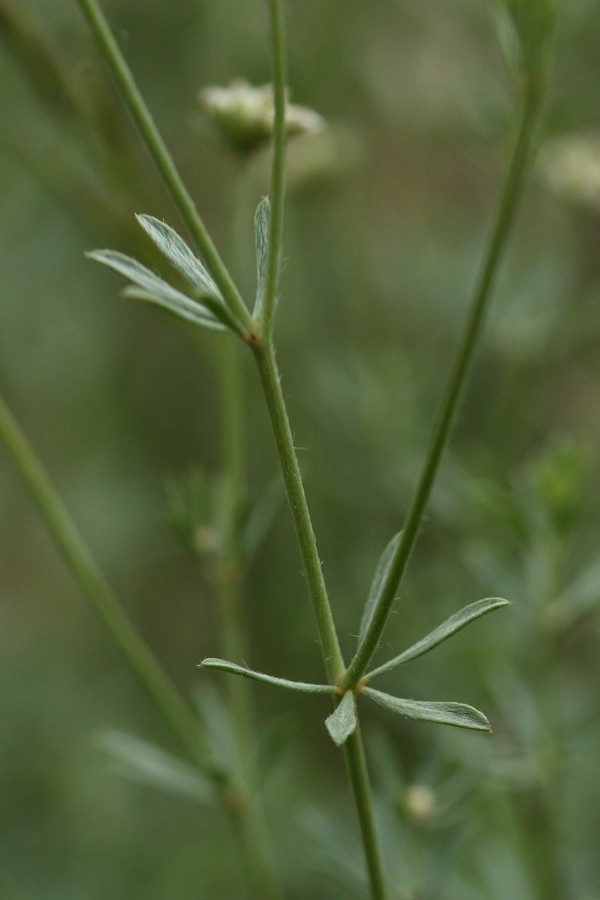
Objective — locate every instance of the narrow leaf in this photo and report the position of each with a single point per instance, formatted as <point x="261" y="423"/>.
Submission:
<point x="377" y="584"/>
<point x="220" y="311"/>
<point x="442" y="633"/>
<point x="179" y="255"/>
<point x="262" y="219"/>
<point x="190" y="311"/>
<point x="342" y="721"/>
<point x="458" y="714"/>
<point x="154" y="289"/>
<point x="148" y="764"/>
<point x="226" y="666"/>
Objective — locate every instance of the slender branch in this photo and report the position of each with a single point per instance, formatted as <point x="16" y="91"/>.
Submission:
<point x="277" y="193"/>
<point x="508" y="201"/>
<point x="269" y="374"/>
<point x="155" y="145"/>
<point x="363" y="799"/>
<point x="165" y="696"/>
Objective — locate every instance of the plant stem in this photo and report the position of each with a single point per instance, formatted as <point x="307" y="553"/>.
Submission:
<point x="154" y="143"/>
<point x="269" y="374"/>
<point x="165" y="696"/>
<point x="277" y="192"/>
<point x="363" y="799"/>
<point x="508" y="201"/>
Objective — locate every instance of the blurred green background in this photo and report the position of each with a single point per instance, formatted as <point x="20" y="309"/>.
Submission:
<point x="386" y="221"/>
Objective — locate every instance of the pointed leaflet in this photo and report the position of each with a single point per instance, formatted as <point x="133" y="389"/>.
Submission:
<point x="189" y="311"/>
<point x="458" y="714"/>
<point x="179" y="255"/>
<point x="153" y="289"/>
<point x="376" y="585"/>
<point x="225" y="666"/>
<point x="262" y="219"/>
<point x="441" y="633"/>
<point x="342" y="721"/>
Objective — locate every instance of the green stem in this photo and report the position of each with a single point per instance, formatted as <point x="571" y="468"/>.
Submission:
<point x="277" y="192"/>
<point x="154" y="143"/>
<point x="509" y="197"/>
<point x="165" y="696"/>
<point x="271" y="382"/>
<point x="363" y="799"/>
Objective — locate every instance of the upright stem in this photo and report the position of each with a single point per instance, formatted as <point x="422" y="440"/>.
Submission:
<point x="509" y="197"/>
<point x="154" y="143"/>
<point x="277" y="193"/>
<point x="334" y="663"/>
<point x="165" y="696"/>
<point x="269" y="374"/>
<point x="363" y="799"/>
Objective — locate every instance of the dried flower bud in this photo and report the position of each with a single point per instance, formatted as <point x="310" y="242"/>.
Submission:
<point x="245" y="114"/>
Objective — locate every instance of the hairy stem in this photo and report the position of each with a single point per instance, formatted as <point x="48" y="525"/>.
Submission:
<point x="269" y="374"/>
<point x="154" y="143"/>
<point x="505" y="214"/>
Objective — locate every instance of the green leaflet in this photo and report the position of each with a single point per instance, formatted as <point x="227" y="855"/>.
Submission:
<point x="379" y="577"/>
<point x="262" y="219"/>
<point x="152" y="289"/>
<point x="442" y="633"/>
<point x="303" y="687"/>
<point x="179" y="255"/>
<point x="342" y="721"/>
<point x="457" y="714"/>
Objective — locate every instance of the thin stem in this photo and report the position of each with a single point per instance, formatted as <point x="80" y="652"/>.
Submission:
<point x="154" y="143"/>
<point x="363" y="798"/>
<point x="165" y="696"/>
<point x="269" y="374"/>
<point x="508" y="201"/>
<point x="277" y="193"/>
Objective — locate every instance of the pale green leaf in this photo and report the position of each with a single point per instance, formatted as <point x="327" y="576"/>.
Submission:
<point x="458" y="714"/>
<point x="342" y="721"/>
<point x="262" y="218"/>
<point x="302" y="686"/>
<point x="190" y="311"/>
<point x="150" y="288"/>
<point x="150" y="765"/>
<point x="379" y="577"/>
<point x="442" y="633"/>
<point x="179" y="255"/>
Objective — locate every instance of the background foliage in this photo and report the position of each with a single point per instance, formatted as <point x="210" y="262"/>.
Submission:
<point x="385" y="223"/>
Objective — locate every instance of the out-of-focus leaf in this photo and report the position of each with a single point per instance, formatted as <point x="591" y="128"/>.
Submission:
<point x="151" y="765"/>
<point x="376" y="585"/>
<point x="342" y="721"/>
<point x="442" y="633"/>
<point x="261" y="517"/>
<point x="458" y="714"/>
<point x="225" y="666"/>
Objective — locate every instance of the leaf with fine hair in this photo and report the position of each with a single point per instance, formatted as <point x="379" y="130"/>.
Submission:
<point x="303" y="687"/>
<point x="441" y="633"/>
<point x="190" y="312"/>
<point x="377" y="584"/>
<point x="179" y="255"/>
<point x="262" y="220"/>
<point x="342" y="721"/>
<point x="458" y="714"/>
<point x="150" y="288"/>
